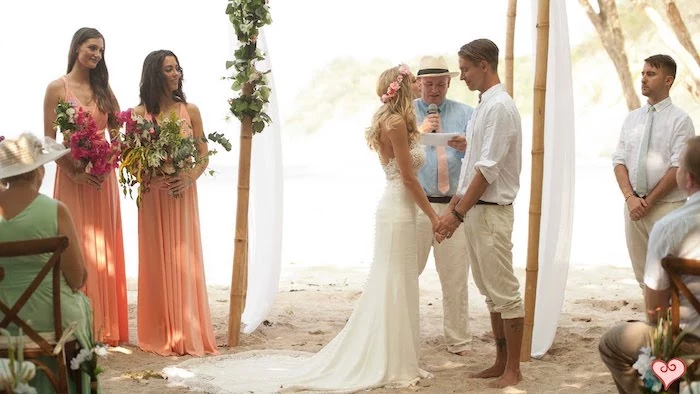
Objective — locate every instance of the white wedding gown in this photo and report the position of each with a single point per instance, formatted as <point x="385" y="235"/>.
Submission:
<point x="378" y="346"/>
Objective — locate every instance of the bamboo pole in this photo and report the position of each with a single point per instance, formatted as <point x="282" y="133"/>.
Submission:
<point x="533" y="247"/>
<point x="239" y="277"/>
<point x="510" y="44"/>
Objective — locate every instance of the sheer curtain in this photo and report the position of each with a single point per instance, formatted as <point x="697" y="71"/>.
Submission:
<point x="558" y="182"/>
<point x="265" y="212"/>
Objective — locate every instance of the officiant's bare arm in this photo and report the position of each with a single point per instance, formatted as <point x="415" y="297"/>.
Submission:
<point x="397" y="134"/>
<point x="656" y="302"/>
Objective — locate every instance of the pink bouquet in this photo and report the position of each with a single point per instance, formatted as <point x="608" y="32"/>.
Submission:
<point x="88" y="144"/>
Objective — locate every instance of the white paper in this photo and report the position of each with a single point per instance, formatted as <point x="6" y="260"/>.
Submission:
<point x="436" y="139"/>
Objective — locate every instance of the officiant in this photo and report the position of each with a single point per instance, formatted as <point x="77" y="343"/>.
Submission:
<point x="439" y="178"/>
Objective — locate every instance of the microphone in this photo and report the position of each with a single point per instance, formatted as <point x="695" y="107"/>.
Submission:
<point x="432" y="109"/>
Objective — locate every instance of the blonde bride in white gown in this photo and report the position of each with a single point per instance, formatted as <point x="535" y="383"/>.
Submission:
<point x="379" y="346"/>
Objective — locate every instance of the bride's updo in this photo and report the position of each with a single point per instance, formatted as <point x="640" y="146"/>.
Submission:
<point x="394" y="90"/>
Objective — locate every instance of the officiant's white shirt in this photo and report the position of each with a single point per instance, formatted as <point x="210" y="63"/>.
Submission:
<point x="669" y="131"/>
<point x="494" y="146"/>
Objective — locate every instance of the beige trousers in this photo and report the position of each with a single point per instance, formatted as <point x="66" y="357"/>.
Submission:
<point x="452" y="267"/>
<point x="619" y="349"/>
<point x="637" y="235"/>
<point x="488" y="230"/>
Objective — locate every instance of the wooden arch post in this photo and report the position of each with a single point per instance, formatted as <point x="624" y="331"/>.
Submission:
<point x="510" y="44"/>
<point x="533" y="246"/>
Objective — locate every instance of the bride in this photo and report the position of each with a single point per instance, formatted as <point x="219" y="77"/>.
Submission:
<point x="379" y="345"/>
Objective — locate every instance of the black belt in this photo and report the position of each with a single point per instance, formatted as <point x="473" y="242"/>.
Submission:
<point x="440" y="200"/>
<point x="482" y="202"/>
<point x="447" y="199"/>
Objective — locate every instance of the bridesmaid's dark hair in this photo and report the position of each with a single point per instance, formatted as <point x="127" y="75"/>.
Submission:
<point x="99" y="76"/>
<point x="153" y="85"/>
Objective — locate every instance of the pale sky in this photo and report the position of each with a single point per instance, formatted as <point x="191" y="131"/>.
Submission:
<point x="304" y="36"/>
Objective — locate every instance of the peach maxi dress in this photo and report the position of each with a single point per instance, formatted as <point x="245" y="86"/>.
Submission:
<point x="173" y="307"/>
<point x="97" y="216"/>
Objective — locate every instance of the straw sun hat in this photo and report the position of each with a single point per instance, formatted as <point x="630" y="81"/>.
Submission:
<point x="27" y="153"/>
<point x="431" y="66"/>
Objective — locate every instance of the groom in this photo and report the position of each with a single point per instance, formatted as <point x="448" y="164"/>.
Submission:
<point x="489" y="182"/>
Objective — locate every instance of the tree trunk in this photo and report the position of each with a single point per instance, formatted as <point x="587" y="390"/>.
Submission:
<point x="607" y="24"/>
<point x="533" y="241"/>
<point x="681" y="30"/>
<point x="692" y="82"/>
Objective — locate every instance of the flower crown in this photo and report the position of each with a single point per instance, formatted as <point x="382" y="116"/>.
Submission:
<point x="396" y="85"/>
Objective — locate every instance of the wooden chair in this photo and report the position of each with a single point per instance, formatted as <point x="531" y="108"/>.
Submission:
<point x="675" y="267"/>
<point x="40" y="344"/>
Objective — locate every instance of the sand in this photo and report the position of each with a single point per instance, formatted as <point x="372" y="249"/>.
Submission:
<point x="313" y="305"/>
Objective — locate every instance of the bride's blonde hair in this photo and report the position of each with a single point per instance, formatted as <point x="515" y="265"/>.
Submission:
<point x="398" y="105"/>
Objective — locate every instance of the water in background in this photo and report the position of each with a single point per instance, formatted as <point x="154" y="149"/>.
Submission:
<point x="332" y="183"/>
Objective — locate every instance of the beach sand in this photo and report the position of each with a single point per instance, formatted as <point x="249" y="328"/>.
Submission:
<point x="311" y="309"/>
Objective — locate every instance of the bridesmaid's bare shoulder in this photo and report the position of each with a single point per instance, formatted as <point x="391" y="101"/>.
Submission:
<point x="193" y="110"/>
<point x="140" y="110"/>
<point x="56" y="89"/>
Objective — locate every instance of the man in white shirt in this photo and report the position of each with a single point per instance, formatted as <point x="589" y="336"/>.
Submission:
<point x="646" y="158"/>
<point x="489" y="182"/>
<point x="678" y="234"/>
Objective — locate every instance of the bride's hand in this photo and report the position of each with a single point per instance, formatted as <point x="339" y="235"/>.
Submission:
<point x="435" y="221"/>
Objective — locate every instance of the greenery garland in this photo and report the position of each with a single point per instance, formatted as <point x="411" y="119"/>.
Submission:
<point x="247" y="17"/>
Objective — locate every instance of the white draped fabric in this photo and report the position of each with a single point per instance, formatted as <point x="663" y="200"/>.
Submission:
<point x="265" y="213"/>
<point x="558" y="182"/>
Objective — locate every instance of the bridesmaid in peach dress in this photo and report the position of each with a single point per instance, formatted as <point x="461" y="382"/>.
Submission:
<point x="93" y="201"/>
<point x="173" y="308"/>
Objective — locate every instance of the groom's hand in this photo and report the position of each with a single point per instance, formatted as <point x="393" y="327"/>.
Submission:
<point x="448" y="224"/>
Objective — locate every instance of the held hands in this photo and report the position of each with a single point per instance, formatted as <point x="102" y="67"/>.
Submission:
<point x="448" y="224"/>
<point x="435" y="221"/>
<point x="430" y="123"/>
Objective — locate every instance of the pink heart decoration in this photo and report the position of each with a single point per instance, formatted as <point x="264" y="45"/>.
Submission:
<point x="668" y="373"/>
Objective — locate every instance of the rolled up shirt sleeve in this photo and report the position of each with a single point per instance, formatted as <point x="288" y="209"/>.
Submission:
<point x="618" y="157"/>
<point x="684" y="132"/>
<point x="499" y="134"/>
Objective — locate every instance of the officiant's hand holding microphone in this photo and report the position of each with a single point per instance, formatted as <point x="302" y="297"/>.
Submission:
<point x="432" y="124"/>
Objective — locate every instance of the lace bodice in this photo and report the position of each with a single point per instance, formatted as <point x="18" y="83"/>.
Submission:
<point x="391" y="170"/>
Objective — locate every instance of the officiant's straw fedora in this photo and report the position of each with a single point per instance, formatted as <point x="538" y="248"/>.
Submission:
<point x="27" y="153"/>
<point x="431" y="66"/>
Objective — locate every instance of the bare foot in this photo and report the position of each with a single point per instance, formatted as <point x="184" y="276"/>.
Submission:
<point x="493" y="372"/>
<point x="509" y="378"/>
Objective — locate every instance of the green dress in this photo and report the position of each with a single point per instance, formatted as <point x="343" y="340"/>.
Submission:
<point x="40" y="220"/>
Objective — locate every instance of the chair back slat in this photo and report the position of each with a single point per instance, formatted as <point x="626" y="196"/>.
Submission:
<point x="56" y="246"/>
<point x="675" y="267"/>
<point x="53" y="263"/>
<point x="31" y="247"/>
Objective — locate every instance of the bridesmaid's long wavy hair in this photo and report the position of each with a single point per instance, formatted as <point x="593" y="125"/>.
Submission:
<point x="153" y="84"/>
<point x="397" y="108"/>
<point x="99" y="76"/>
